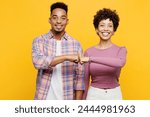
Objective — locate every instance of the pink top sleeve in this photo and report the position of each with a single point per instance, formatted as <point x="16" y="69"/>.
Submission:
<point x="119" y="61"/>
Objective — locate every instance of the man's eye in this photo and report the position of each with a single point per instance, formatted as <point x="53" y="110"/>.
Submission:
<point x="54" y="17"/>
<point x="63" y="18"/>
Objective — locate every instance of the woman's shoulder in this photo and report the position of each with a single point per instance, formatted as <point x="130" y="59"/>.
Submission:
<point x="119" y="46"/>
<point x="90" y="49"/>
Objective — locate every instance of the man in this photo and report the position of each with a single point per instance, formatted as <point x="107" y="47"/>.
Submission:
<point x="55" y="55"/>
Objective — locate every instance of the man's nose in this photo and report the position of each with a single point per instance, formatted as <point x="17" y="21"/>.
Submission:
<point x="59" y="20"/>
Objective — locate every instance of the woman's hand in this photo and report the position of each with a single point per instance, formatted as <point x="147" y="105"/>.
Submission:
<point x="84" y="60"/>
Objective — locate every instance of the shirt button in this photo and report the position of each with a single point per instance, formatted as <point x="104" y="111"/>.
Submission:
<point x="105" y="91"/>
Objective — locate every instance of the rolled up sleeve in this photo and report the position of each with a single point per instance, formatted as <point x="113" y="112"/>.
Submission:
<point x="39" y="59"/>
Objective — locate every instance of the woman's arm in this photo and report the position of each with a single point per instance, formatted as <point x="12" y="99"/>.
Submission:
<point x="118" y="61"/>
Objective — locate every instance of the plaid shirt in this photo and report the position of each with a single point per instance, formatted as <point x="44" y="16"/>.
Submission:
<point x="43" y="52"/>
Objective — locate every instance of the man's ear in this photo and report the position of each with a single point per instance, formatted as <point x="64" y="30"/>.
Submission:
<point x="49" y="20"/>
<point x="67" y="21"/>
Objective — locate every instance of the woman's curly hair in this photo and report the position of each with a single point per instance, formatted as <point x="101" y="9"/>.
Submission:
<point x="106" y="14"/>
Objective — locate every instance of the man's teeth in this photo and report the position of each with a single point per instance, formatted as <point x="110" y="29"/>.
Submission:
<point x="58" y="26"/>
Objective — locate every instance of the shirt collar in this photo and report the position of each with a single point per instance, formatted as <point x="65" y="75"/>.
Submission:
<point x="51" y="36"/>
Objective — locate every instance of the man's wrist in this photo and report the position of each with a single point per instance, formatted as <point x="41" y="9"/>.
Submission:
<point x="66" y="57"/>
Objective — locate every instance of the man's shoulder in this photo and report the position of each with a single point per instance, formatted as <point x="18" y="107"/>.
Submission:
<point x="70" y="38"/>
<point x="41" y="37"/>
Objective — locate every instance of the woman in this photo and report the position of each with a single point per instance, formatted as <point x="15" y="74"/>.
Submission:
<point x="104" y="60"/>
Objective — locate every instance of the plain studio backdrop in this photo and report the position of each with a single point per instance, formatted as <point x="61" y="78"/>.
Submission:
<point x="23" y="20"/>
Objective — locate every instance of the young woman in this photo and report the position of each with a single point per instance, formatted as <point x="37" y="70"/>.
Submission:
<point x="103" y="62"/>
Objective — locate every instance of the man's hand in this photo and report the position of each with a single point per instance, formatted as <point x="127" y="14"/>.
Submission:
<point x="73" y="58"/>
<point x="77" y="58"/>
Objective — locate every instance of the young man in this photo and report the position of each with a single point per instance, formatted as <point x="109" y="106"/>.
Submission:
<point x="55" y="55"/>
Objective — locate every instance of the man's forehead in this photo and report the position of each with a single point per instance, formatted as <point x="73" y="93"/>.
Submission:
<point x="59" y="11"/>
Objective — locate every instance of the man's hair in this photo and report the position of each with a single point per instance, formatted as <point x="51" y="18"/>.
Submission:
<point x="59" y="5"/>
<point x="106" y="14"/>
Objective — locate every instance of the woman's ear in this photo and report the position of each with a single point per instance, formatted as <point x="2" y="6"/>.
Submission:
<point x="113" y="33"/>
<point x="97" y="31"/>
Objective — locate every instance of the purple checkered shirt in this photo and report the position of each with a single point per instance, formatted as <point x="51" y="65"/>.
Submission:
<point x="43" y="52"/>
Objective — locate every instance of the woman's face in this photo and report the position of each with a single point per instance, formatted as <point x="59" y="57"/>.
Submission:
<point x="105" y="29"/>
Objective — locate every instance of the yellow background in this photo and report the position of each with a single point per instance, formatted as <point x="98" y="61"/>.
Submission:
<point x="23" y="20"/>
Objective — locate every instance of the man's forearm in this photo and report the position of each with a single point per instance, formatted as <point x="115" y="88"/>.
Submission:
<point x="57" y="60"/>
<point x="60" y="59"/>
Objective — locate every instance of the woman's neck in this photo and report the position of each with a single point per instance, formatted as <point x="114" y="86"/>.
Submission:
<point x="104" y="44"/>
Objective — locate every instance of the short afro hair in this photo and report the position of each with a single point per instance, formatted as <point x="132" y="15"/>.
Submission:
<point x="59" y="5"/>
<point x="106" y="14"/>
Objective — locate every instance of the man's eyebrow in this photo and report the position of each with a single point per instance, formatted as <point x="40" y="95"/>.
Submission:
<point x="53" y="15"/>
<point x="61" y="16"/>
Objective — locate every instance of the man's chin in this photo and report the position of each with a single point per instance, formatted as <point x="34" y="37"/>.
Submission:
<point x="59" y="31"/>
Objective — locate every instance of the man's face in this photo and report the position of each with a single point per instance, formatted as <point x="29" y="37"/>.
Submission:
<point x="58" y="20"/>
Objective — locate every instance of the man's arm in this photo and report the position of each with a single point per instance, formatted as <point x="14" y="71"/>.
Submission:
<point x="60" y="59"/>
<point x="39" y="59"/>
<point x="42" y="61"/>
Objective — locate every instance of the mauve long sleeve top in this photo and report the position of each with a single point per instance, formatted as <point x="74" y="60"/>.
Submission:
<point x="104" y="67"/>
